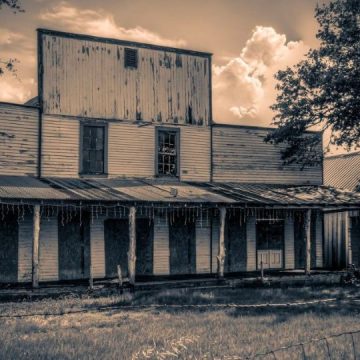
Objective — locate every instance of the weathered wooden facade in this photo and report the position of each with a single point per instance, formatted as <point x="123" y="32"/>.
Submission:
<point x="119" y="166"/>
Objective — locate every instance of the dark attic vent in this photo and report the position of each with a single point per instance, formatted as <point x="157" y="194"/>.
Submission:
<point x="131" y="58"/>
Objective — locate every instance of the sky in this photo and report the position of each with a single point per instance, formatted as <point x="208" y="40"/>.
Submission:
<point x="250" y="40"/>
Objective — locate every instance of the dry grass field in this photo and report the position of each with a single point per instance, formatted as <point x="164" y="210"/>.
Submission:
<point x="99" y="328"/>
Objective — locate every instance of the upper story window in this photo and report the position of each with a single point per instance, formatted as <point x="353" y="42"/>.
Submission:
<point x="167" y="152"/>
<point x="93" y="145"/>
<point x="131" y="58"/>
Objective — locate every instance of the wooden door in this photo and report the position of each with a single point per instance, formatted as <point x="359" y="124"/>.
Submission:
<point x="116" y="232"/>
<point x="235" y="245"/>
<point x="74" y="248"/>
<point x="144" y="247"/>
<point x="182" y="246"/>
<point x="9" y="231"/>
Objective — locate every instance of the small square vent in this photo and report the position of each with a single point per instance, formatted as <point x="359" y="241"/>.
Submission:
<point x="131" y="58"/>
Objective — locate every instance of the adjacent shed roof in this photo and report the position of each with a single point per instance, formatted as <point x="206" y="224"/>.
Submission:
<point x="343" y="171"/>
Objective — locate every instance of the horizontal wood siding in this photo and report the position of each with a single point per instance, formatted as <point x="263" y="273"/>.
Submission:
<point x="195" y="154"/>
<point x="18" y="139"/>
<point x="60" y="149"/>
<point x="88" y="78"/>
<point x="49" y="250"/>
<point x="131" y="150"/>
<point x="241" y="155"/>
<point x="161" y="246"/>
<point x="25" y="248"/>
<point x="97" y="247"/>
<point x="203" y="244"/>
<point x="251" y="243"/>
<point x="289" y="243"/>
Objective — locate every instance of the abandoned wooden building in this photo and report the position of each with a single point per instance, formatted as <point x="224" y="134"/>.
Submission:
<point x="118" y="162"/>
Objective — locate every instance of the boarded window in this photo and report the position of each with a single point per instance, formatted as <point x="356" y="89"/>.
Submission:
<point x="131" y="58"/>
<point x="93" y="150"/>
<point x="167" y="153"/>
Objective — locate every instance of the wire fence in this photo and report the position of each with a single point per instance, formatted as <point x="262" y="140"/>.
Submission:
<point x="318" y="348"/>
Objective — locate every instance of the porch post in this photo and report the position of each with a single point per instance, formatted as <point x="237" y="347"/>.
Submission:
<point x="307" y="242"/>
<point x="132" y="245"/>
<point x="221" y="254"/>
<point x="35" y="247"/>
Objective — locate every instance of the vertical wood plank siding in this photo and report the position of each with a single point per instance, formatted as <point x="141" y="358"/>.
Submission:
<point x="18" y="139"/>
<point x="289" y="243"/>
<point x="48" y="250"/>
<point x="97" y="247"/>
<point x="25" y="248"/>
<point x="131" y="149"/>
<point x="319" y="241"/>
<point x="241" y="155"/>
<point x="161" y="246"/>
<point x="203" y="250"/>
<point x="88" y="78"/>
<point x="251" y="243"/>
<point x="215" y="243"/>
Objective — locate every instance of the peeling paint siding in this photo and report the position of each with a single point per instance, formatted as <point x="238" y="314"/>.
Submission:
<point x="289" y="243"/>
<point x="203" y="246"/>
<point x="195" y="154"/>
<point x="25" y="248"/>
<point x="215" y="243"/>
<point x="131" y="149"/>
<point x="97" y="244"/>
<point x="18" y="140"/>
<point x="161" y="246"/>
<point x="60" y="147"/>
<point x="251" y="244"/>
<point x="49" y="250"/>
<point x="241" y="155"/>
<point x="88" y="78"/>
<point x="319" y="241"/>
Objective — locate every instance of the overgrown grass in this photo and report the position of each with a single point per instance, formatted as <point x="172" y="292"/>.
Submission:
<point x="178" y="333"/>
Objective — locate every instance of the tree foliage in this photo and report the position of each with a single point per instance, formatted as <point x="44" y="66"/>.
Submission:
<point x="8" y="65"/>
<point x="322" y="91"/>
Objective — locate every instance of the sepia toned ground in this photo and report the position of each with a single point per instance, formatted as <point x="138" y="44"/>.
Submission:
<point x="109" y="328"/>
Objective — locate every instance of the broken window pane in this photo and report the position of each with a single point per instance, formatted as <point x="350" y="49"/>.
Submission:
<point x="167" y="152"/>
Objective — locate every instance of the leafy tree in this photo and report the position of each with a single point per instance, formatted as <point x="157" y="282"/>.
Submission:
<point x="322" y="91"/>
<point x="9" y="64"/>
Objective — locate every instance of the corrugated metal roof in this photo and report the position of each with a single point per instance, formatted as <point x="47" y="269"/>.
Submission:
<point x="343" y="171"/>
<point x="27" y="187"/>
<point x="160" y="191"/>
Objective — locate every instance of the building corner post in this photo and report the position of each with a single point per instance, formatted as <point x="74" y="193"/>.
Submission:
<point x="35" y="246"/>
<point x="307" y="225"/>
<point x="132" y="245"/>
<point x="221" y="254"/>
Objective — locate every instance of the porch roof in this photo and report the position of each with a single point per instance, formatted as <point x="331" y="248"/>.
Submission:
<point x="163" y="191"/>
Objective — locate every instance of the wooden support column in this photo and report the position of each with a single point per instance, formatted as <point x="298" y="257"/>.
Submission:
<point x="307" y="225"/>
<point x="132" y="245"/>
<point x="221" y="254"/>
<point x="35" y="246"/>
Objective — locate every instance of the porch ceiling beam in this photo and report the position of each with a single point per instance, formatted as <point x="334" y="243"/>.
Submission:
<point x="132" y="245"/>
<point x="35" y="246"/>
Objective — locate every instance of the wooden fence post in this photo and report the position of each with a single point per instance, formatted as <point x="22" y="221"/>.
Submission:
<point x="221" y="254"/>
<point x="132" y="245"/>
<point x="35" y="246"/>
<point x="307" y="225"/>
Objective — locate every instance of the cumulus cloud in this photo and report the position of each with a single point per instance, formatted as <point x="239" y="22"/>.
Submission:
<point x="101" y="23"/>
<point x="13" y="90"/>
<point x="243" y="88"/>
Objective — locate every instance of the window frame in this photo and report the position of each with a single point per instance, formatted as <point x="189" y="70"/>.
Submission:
<point x="158" y="130"/>
<point x="104" y="125"/>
